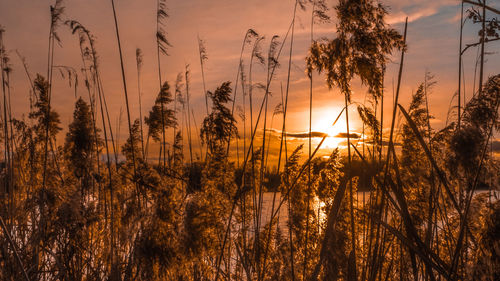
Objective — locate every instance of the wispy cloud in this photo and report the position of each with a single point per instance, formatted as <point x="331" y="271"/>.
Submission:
<point x="415" y="11"/>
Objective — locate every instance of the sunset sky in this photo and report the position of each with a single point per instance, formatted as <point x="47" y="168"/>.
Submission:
<point x="433" y="34"/>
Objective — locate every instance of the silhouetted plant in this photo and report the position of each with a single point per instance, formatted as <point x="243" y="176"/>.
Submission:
<point x="80" y="141"/>
<point x="219" y="126"/>
<point x="160" y="117"/>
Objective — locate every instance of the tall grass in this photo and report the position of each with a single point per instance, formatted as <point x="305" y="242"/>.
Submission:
<point x="205" y="218"/>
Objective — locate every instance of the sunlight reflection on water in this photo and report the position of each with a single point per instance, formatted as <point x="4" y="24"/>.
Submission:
<point x="282" y="217"/>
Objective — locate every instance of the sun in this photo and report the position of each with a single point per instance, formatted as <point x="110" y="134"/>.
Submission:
<point x="323" y="122"/>
<point x="324" y="125"/>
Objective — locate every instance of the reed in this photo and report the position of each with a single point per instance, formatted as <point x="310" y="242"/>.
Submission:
<point x="249" y="35"/>
<point x="68" y="213"/>
<point x="139" y="60"/>
<point x="162" y="45"/>
<point x="202" y="50"/>
<point x="186" y="77"/>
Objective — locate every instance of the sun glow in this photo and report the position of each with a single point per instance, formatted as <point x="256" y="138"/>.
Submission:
<point x="323" y="122"/>
<point x="324" y="125"/>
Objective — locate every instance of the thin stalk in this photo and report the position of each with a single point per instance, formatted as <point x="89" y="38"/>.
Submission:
<point x="284" y="100"/>
<point x="483" y="36"/>
<point x="391" y="134"/>
<point x="50" y="63"/>
<point x="13" y="146"/>
<point x="188" y="118"/>
<point x="198" y="136"/>
<point x="351" y="194"/>
<point x="244" y="117"/>
<point x="284" y="118"/>
<point x="261" y="187"/>
<point x="108" y="166"/>
<point x="381" y="127"/>
<point x="7" y="182"/>
<point x="138" y="54"/>
<point x="124" y="82"/>
<point x="177" y="91"/>
<point x="238" y="73"/>
<point x="431" y="210"/>
<point x="102" y="96"/>
<point x="460" y="60"/>
<point x="126" y="101"/>
<point x="250" y="90"/>
<point x="93" y="110"/>
<point x="310" y="151"/>
<point x="158" y="47"/>
<point x="271" y="65"/>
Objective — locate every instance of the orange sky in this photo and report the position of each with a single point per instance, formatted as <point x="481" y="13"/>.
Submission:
<point x="432" y="39"/>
